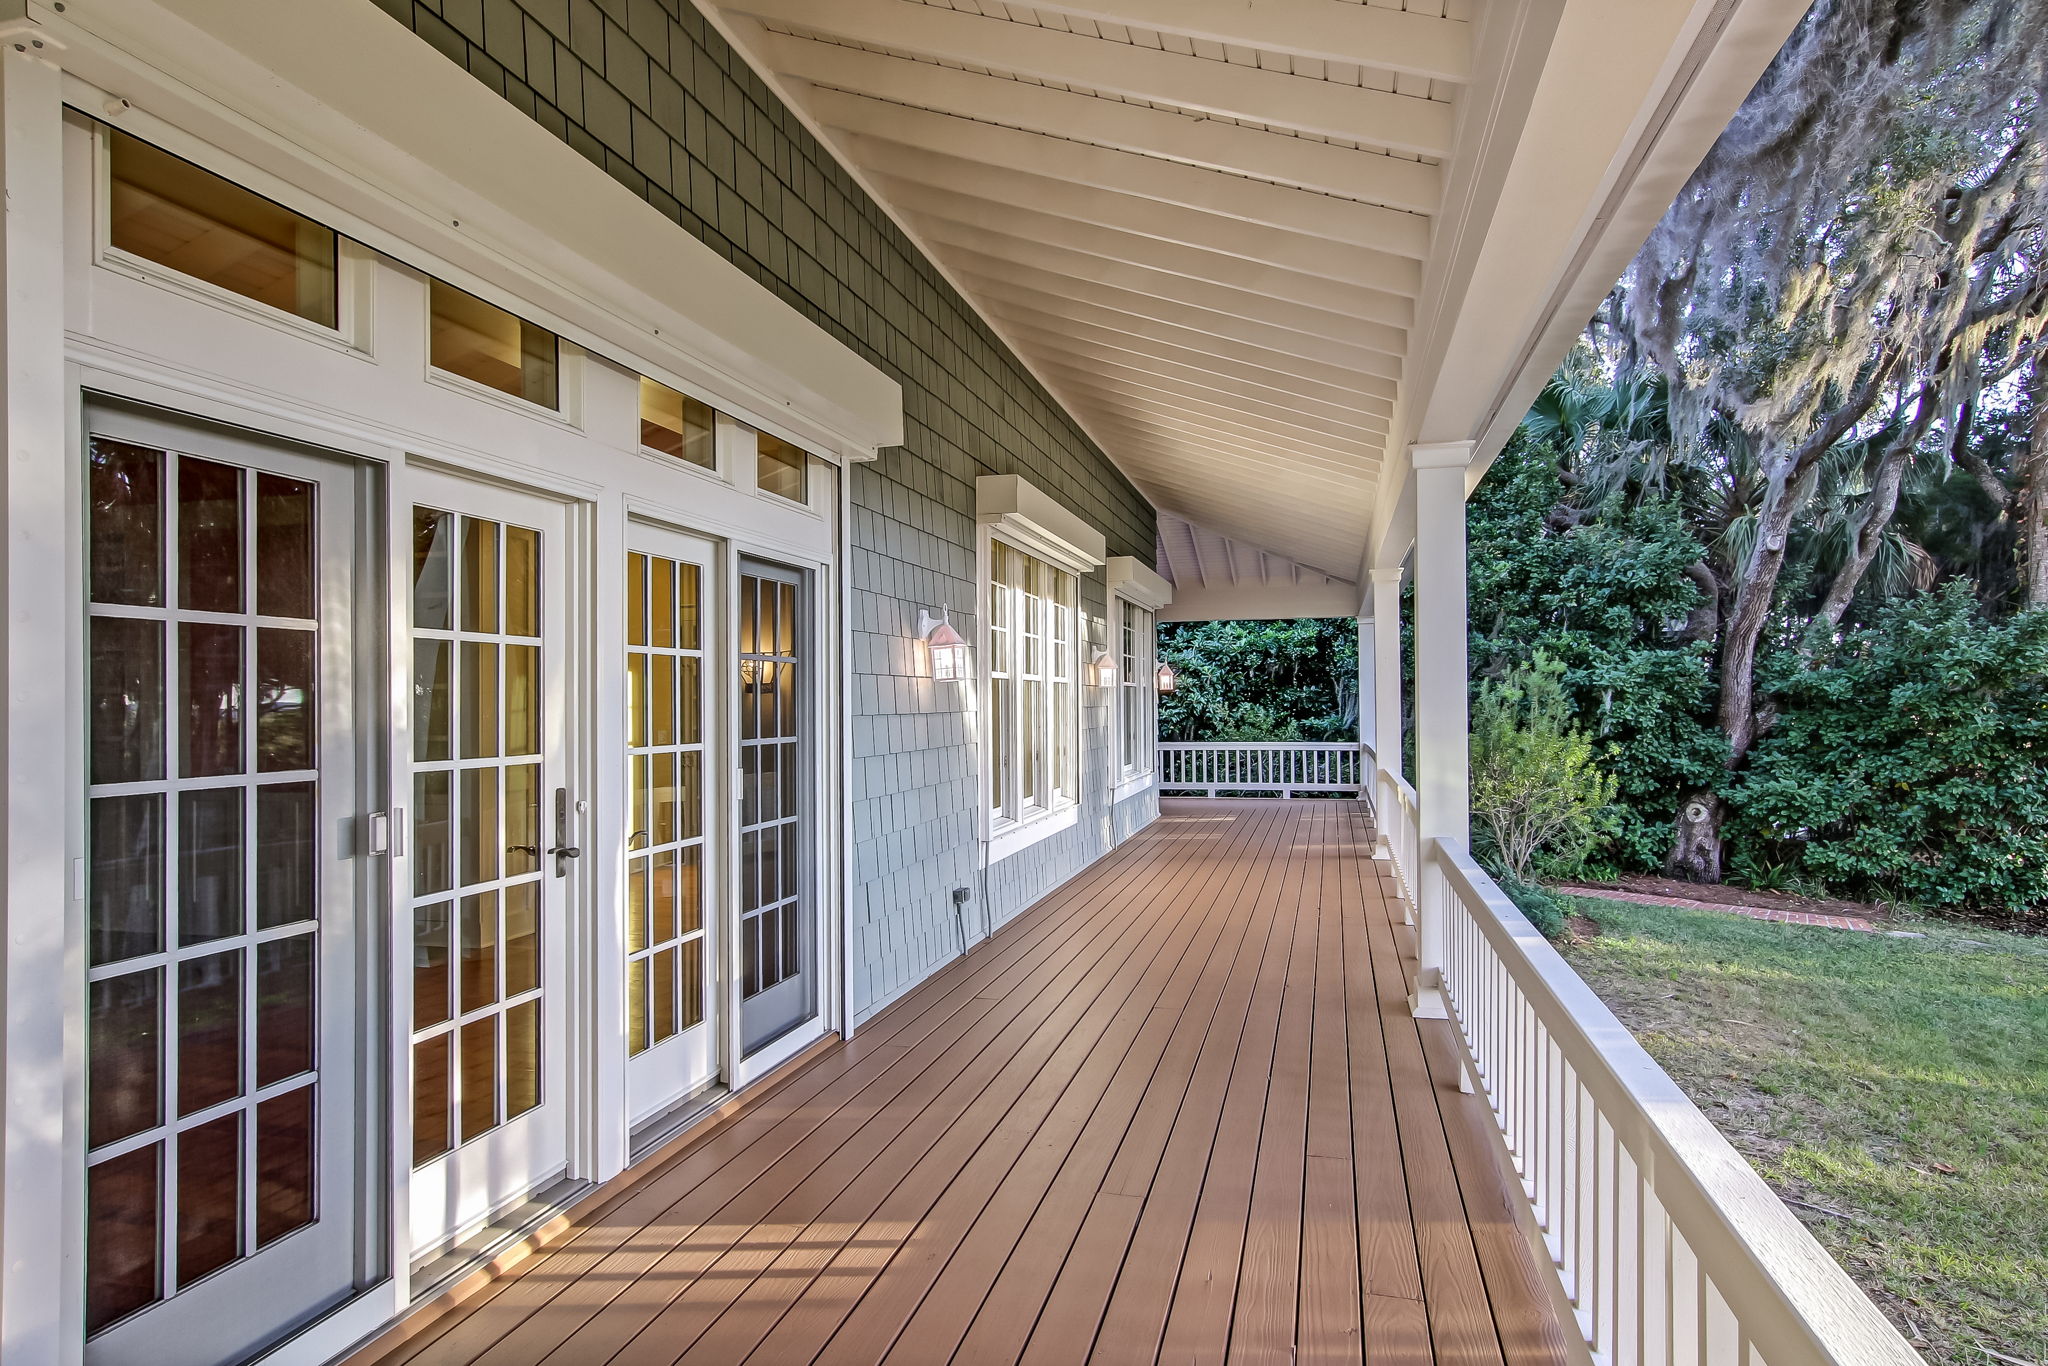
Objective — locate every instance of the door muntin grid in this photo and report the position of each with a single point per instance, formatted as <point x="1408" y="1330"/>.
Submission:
<point x="204" y="929"/>
<point x="477" y="853"/>
<point x="772" y="825"/>
<point x="666" y="960"/>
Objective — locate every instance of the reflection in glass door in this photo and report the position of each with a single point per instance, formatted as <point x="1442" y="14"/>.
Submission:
<point x="776" y="923"/>
<point x="489" y="841"/>
<point x="668" y="966"/>
<point x="222" y="1099"/>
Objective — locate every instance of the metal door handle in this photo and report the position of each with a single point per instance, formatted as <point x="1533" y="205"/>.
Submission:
<point x="563" y="851"/>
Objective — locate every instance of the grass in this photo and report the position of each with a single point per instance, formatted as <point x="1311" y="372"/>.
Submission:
<point x="1900" y="1083"/>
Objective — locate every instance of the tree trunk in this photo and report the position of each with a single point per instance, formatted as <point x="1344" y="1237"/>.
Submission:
<point x="1875" y="515"/>
<point x="1696" y="852"/>
<point x="1755" y="588"/>
<point x="2033" y="491"/>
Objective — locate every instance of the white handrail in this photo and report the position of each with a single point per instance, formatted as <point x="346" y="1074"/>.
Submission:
<point x="1286" y="767"/>
<point x="1667" y="1245"/>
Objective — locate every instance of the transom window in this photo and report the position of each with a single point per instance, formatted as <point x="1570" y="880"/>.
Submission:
<point x="164" y="209"/>
<point x="780" y="470"/>
<point x="1137" y="698"/>
<point x="1031" y="703"/>
<point x="676" y="424"/>
<point x="483" y="343"/>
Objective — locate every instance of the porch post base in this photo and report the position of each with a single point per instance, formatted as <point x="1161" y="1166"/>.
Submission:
<point x="1426" y="1001"/>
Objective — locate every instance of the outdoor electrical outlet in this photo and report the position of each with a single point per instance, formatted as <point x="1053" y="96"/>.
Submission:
<point x="961" y="896"/>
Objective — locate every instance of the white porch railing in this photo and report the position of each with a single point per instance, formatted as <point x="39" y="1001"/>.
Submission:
<point x="1285" y="767"/>
<point x="1394" y="811"/>
<point x="1667" y="1246"/>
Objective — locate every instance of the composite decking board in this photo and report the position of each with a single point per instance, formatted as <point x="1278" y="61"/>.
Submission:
<point x="1530" y="1335"/>
<point x="1454" y="1293"/>
<point x="891" y="1292"/>
<point x="985" y="1303"/>
<point x="1180" y="1104"/>
<point x="1330" y="1330"/>
<point x="593" y="1267"/>
<point x="1131" y="1324"/>
<point x="1386" y="1225"/>
<point x="1198" y="1320"/>
<point x="764" y="1301"/>
<point x="1067" y="1324"/>
<point x="675" y="1299"/>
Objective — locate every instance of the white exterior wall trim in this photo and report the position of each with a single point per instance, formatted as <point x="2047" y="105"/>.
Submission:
<point x="1036" y="521"/>
<point x="333" y="110"/>
<point x="1133" y="579"/>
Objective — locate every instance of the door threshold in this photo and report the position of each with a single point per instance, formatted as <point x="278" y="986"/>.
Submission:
<point x="436" y="1271"/>
<point x="663" y="1125"/>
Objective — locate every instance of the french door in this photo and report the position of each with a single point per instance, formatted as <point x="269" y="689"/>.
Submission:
<point x="672" y="1018"/>
<point x="494" y="835"/>
<point x="776" y="911"/>
<point x="226" y="1124"/>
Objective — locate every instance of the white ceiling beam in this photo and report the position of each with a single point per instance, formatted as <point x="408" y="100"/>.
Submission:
<point x="1040" y="339"/>
<point x="1184" y="338"/>
<point x="1106" y="168"/>
<point x="1268" y="519"/>
<point x="1252" y="445"/>
<point x="1048" y="354"/>
<point x="1080" y="374"/>
<point x="1284" y="340"/>
<point x="844" y="72"/>
<point x="1384" y="39"/>
<point x="1275" y="98"/>
<point x="1166" y="286"/>
<point x="932" y="205"/>
<point x="1217" y="232"/>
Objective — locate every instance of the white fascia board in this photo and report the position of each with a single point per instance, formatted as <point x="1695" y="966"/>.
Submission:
<point x="338" y="111"/>
<point x="1038" y="522"/>
<point x="1264" y="602"/>
<point x="1132" y="578"/>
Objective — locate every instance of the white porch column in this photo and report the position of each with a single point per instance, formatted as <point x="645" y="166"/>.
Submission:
<point x="1368" y="715"/>
<point x="1386" y="664"/>
<point x="41" y="983"/>
<point x="1442" y="773"/>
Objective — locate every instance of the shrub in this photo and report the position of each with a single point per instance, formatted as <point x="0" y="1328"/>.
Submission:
<point x="1544" y="908"/>
<point x="1538" y="800"/>
<point x="1910" y="760"/>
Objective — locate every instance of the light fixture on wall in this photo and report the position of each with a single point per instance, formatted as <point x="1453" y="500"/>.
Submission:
<point x="1102" y="669"/>
<point x="757" y="674"/>
<point x="1164" y="678"/>
<point x="948" y="648"/>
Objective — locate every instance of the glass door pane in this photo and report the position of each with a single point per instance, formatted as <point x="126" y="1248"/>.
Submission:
<point x="219" y="937"/>
<point x="775" y="926"/>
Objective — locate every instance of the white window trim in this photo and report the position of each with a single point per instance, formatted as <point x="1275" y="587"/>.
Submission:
<point x="1134" y="773"/>
<point x="1006" y="835"/>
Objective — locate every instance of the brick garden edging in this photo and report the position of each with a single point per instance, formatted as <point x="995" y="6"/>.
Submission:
<point x="1832" y="922"/>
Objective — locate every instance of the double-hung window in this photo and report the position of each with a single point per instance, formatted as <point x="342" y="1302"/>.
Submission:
<point x="1136" y="696"/>
<point x="1032" y="706"/>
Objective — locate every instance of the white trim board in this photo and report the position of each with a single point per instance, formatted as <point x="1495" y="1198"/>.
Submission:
<point x="336" y="110"/>
<point x="1037" y="522"/>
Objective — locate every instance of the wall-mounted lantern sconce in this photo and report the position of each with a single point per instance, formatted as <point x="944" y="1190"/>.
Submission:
<point x="758" y="675"/>
<point x="947" y="646"/>
<point x="1165" y="678"/>
<point x="1102" y="669"/>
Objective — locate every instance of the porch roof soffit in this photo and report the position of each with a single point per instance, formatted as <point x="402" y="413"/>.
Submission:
<point x="1258" y="247"/>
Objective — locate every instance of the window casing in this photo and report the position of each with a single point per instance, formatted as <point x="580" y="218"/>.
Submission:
<point x="1137" y="699"/>
<point x="1030" y="699"/>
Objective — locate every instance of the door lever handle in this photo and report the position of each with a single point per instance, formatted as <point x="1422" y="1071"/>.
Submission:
<point x="563" y="853"/>
<point x="563" y="850"/>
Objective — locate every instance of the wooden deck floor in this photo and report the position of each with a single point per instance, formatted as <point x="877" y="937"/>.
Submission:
<point x="1177" y="1112"/>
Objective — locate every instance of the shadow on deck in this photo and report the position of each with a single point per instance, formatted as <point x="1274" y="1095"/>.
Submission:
<point x="1177" y="1111"/>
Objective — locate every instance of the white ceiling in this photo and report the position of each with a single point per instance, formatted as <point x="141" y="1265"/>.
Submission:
<point x="1202" y="223"/>
<point x="1259" y="247"/>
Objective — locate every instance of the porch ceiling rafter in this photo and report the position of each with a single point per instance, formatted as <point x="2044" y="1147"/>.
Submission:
<point x="1144" y="397"/>
<point x="931" y="205"/>
<point x="1277" y="99"/>
<point x="1376" y="360"/>
<point x="1327" y="30"/>
<point x="1129" y="353"/>
<point x="1147" y="388"/>
<point x="1222" y="232"/>
<point x="1095" y="167"/>
<point x="1195" y="139"/>
<point x="1168" y="288"/>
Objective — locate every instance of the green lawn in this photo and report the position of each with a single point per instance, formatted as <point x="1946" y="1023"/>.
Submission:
<point x="1902" y="1083"/>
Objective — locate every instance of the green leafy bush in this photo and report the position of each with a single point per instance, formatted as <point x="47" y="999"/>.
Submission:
<point x="1910" y="760"/>
<point x="1544" y="908"/>
<point x="1261" y="680"/>
<point x="1538" y="800"/>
